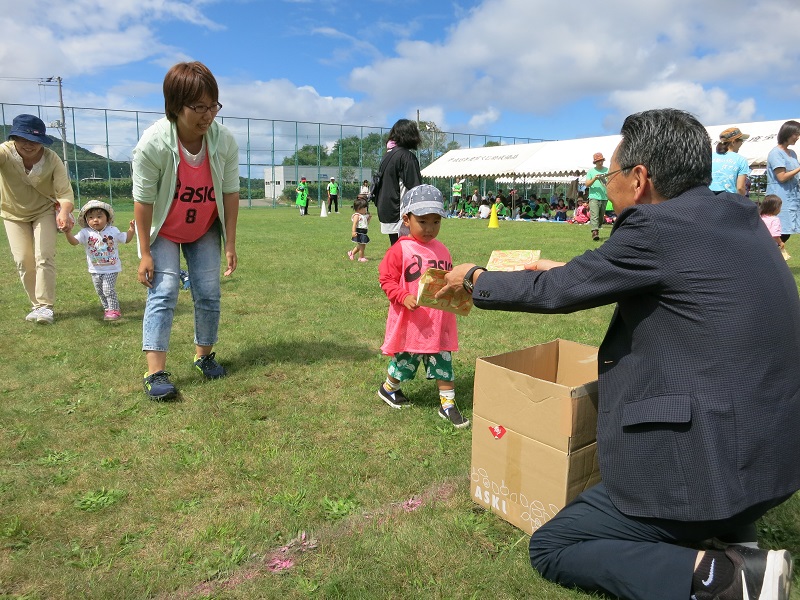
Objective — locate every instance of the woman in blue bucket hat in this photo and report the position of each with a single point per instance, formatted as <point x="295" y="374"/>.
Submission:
<point x="33" y="184"/>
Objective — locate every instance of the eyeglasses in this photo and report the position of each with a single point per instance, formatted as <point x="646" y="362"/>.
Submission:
<point x="202" y="108"/>
<point x="607" y="176"/>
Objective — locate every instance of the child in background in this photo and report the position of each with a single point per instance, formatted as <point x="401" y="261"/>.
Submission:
<point x="560" y="211"/>
<point x="99" y="237"/>
<point x="417" y="334"/>
<point x="770" y="207"/>
<point x="302" y="196"/>
<point x="581" y="214"/>
<point x="360" y="221"/>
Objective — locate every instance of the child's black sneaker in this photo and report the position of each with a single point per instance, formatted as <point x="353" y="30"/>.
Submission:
<point x="158" y="386"/>
<point x="453" y="415"/>
<point x="209" y="366"/>
<point x="394" y="399"/>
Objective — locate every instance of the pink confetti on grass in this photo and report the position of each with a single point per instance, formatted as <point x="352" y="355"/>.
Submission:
<point x="411" y="504"/>
<point x="279" y="565"/>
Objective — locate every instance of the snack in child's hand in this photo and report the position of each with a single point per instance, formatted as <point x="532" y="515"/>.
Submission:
<point x="457" y="301"/>
<point x="512" y="260"/>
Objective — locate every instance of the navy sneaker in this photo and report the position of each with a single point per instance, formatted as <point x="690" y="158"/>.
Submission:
<point x="209" y="366"/>
<point x="158" y="386"/>
<point x="453" y="415"/>
<point x="394" y="399"/>
<point x="758" y="574"/>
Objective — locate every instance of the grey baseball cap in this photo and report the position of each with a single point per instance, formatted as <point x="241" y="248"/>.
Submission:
<point x="423" y="200"/>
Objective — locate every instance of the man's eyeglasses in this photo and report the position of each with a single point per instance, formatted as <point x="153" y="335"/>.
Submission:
<point x="202" y="108"/>
<point x="610" y="174"/>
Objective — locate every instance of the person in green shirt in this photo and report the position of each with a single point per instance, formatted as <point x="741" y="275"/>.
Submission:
<point x="302" y="196"/>
<point x="333" y="195"/>
<point x="456" y="196"/>
<point x="596" y="188"/>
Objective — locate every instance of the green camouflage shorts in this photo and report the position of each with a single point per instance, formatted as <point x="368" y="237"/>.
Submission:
<point x="439" y="366"/>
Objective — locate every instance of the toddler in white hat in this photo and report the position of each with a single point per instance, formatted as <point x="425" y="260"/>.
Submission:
<point x="99" y="237"/>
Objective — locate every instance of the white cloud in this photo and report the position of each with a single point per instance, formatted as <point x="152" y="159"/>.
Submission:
<point x="85" y="36"/>
<point x="712" y="106"/>
<point x="479" y="121"/>
<point x="537" y="56"/>
<point x="477" y="66"/>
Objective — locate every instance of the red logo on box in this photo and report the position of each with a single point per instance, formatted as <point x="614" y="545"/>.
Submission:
<point x="498" y="431"/>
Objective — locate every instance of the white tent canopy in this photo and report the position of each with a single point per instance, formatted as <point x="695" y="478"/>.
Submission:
<point x="568" y="157"/>
<point x="574" y="157"/>
<point x="493" y="161"/>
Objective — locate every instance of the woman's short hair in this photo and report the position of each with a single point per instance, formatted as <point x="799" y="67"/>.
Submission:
<point x="405" y="133"/>
<point x="185" y="83"/>
<point x="787" y="130"/>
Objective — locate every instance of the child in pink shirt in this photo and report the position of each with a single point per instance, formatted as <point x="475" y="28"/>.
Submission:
<point x="417" y="334"/>
<point x="581" y="214"/>
<point x="770" y="208"/>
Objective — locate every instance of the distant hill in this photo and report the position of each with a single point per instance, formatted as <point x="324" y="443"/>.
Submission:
<point x="90" y="165"/>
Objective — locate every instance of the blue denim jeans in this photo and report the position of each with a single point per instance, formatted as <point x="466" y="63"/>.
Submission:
<point x="203" y="262"/>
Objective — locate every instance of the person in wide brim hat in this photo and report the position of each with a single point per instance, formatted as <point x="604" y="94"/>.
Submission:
<point x="34" y="185"/>
<point x="109" y="210"/>
<point x="729" y="170"/>
<point x="30" y="128"/>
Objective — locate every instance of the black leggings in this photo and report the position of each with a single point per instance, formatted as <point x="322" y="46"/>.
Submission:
<point x="393" y="237"/>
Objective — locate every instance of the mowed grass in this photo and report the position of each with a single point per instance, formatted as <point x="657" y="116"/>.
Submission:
<point x="289" y="478"/>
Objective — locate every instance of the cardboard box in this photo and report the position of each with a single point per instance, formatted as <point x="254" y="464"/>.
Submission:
<point x="534" y="429"/>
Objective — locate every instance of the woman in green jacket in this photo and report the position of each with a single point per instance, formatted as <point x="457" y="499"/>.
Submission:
<point x="186" y="199"/>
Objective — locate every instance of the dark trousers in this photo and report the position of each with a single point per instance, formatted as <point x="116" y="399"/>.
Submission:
<point x="591" y="545"/>
<point x="333" y="200"/>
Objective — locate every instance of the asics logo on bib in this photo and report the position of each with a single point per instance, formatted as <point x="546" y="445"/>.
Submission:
<point x="415" y="269"/>
<point x="196" y="195"/>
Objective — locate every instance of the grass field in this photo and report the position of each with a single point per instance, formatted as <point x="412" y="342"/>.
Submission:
<point x="289" y="478"/>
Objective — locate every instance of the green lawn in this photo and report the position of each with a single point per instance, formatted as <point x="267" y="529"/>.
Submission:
<point x="288" y="479"/>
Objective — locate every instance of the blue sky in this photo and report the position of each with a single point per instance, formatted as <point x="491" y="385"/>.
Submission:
<point x="527" y="68"/>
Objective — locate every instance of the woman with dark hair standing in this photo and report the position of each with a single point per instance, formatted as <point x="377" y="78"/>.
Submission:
<point x="400" y="172"/>
<point x="782" y="172"/>
<point x="186" y="199"/>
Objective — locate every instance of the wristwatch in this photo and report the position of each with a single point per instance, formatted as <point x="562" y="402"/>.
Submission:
<point x="468" y="285"/>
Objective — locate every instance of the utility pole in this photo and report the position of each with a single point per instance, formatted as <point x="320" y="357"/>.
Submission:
<point x="61" y="125"/>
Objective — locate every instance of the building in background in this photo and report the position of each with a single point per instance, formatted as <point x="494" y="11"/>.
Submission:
<point x="280" y="177"/>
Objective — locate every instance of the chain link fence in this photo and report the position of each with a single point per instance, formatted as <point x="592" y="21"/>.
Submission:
<point x="273" y="154"/>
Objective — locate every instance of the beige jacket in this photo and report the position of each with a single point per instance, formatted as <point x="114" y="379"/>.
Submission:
<point x="27" y="196"/>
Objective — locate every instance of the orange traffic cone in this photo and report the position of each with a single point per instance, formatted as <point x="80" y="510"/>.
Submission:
<point x="494" y="222"/>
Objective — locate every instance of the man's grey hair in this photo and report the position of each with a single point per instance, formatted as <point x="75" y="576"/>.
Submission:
<point x="672" y="144"/>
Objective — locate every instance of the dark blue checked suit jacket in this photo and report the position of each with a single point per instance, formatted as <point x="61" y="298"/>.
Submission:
<point x="699" y="371"/>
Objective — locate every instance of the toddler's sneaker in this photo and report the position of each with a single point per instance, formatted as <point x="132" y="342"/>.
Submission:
<point x="32" y="315"/>
<point x="45" y="316"/>
<point x="209" y="366"/>
<point x="394" y="399"/>
<point x="351" y="254"/>
<point x="111" y="315"/>
<point x="453" y="415"/>
<point x="158" y="386"/>
<point x="362" y="259"/>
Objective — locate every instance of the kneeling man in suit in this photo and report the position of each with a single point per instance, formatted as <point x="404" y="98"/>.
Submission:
<point x="699" y="388"/>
